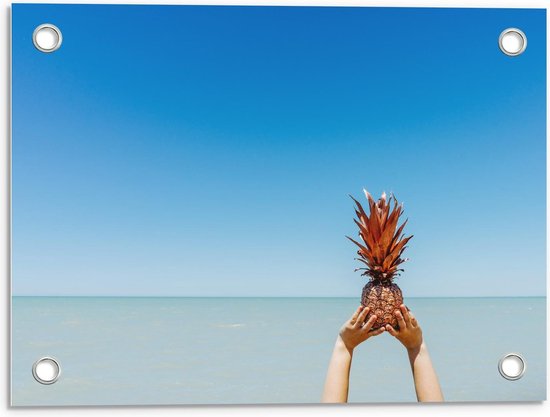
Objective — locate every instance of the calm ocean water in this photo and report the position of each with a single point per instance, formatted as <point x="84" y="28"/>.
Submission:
<point x="121" y="351"/>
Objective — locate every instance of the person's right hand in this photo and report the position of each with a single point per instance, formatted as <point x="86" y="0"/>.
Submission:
<point x="409" y="333"/>
<point x="356" y="330"/>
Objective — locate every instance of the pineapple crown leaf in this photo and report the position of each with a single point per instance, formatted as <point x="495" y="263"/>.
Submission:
<point x="382" y="241"/>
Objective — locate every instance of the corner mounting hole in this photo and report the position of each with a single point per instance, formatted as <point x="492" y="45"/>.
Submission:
<point x="46" y="370"/>
<point x="512" y="366"/>
<point x="47" y="38"/>
<point x="512" y="42"/>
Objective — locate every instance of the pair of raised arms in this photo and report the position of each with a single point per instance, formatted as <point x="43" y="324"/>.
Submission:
<point x="356" y="330"/>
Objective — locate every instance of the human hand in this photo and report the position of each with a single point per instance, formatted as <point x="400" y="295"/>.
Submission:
<point x="356" y="330"/>
<point x="409" y="333"/>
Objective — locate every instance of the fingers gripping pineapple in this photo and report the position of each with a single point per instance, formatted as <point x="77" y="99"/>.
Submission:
<point x="380" y="252"/>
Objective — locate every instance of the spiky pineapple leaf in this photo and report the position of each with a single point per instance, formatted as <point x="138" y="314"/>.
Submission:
<point x="383" y="241"/>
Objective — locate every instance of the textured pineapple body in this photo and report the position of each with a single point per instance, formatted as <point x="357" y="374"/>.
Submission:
<point x="383" y="298"/>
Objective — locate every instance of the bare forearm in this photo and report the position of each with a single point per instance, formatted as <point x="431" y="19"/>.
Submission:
<point x="425" y="379"/>
<point x="337" y="381"/>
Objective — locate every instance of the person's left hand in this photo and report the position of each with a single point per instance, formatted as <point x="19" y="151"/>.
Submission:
<point x="356" y="330"/>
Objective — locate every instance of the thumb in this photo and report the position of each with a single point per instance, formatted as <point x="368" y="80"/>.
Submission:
<point x="391" y="330"/>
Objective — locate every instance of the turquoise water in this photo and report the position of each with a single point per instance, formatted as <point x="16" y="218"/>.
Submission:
<point x="118" y="351"/>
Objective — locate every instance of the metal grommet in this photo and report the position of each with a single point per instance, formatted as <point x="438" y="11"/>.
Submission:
<point x="512" y="42"/>
<point x="512" y="366"/>
<point x="47" y="38"/>
<point x="46" y="370"/>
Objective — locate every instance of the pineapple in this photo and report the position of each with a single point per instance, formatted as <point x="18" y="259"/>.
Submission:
<point x="383" y="244"/>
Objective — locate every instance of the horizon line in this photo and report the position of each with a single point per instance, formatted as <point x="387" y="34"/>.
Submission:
<point x="261" y="296"/>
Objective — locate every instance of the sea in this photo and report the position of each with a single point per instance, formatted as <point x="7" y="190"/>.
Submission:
<point x="176" y="351"/>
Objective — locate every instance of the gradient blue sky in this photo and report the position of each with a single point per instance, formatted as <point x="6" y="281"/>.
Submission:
<point x="210" y="151"/>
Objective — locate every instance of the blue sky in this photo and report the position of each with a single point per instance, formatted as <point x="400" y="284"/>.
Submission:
<point x="210" y="151"/>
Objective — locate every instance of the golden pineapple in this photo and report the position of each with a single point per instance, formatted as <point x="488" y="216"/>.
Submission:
<point x="383" y="244"/>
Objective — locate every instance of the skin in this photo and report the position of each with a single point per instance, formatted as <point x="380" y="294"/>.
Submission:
<point x="409" y="334"/>
<point x="355" y="331"/>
